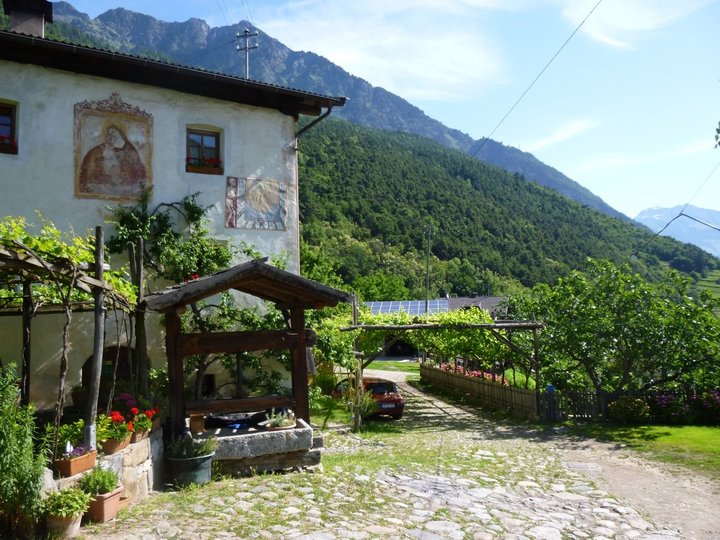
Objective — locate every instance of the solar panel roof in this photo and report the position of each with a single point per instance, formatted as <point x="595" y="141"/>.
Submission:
<point x="411" y="307"/>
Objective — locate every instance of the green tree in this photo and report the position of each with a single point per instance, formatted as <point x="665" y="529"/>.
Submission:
<point x="623" y="334"/>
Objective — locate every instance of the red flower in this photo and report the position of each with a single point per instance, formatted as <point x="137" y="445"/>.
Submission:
<point x="150" y="413"/>
<point x="116" y="417"/>
<point x="134" y="411"/>
<point x="130" y="426"/>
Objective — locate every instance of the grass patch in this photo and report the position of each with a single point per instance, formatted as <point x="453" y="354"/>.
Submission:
<point x="406" y="366"/>
<point x="328" y="410"/>
<point x="696" y="447"/>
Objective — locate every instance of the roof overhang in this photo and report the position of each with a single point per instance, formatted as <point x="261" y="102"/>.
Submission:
<point x="88" y="61"/>
<point x="257" y="278"/>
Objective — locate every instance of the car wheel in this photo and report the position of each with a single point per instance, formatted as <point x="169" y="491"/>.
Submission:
<point x="396" y="416"/>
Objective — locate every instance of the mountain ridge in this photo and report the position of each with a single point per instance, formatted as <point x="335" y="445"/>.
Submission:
<point x="683" y="223"/>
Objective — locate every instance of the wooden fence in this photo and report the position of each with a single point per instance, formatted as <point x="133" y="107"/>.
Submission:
<point x="521" y="403"/>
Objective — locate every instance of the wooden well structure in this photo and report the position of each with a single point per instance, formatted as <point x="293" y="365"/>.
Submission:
<point x="291" y="294"/>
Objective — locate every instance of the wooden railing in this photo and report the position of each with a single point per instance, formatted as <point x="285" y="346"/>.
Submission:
<point x="521" y="403"/>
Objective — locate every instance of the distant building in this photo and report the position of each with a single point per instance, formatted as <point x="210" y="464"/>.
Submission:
<point x="437" y="305"/>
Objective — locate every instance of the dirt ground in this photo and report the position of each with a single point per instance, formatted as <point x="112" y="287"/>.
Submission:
<point x="668" y="495"/>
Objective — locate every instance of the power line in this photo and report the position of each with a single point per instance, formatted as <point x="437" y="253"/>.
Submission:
<point x="224" y="11"/>
<point x="683" y="214"/>
<point x="249" y="14"/>
<point x="536" y="79"/>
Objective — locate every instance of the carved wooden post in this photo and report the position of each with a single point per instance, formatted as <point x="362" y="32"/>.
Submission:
<point x="175" y="374"/>
<point x="299" y="366"/>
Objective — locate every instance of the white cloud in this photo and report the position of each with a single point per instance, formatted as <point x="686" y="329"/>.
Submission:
<point x="565" y="131"/>
<point x="617" y="159"/>
<point x="419" y="49"/>
<point x="619" y="22"/>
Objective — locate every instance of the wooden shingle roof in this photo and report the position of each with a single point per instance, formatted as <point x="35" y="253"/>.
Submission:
<point x="256" y="278"/>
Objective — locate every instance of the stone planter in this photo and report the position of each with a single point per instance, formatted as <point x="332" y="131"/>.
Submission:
<point x="104" y="506"/>
<point x="182" y="472"/>
<point x="73" y="466"/>
<point x="63" y="527"/>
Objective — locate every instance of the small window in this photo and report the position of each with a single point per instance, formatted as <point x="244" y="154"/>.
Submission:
<point x="8" y="141"/>
<point x="203" y="152"/>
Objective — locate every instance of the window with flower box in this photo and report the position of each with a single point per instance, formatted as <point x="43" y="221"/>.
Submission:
<point x="8" y="139"/>
<point x="203" y="153"/>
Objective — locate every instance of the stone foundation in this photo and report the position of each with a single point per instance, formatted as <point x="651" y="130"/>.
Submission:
<point x="139" y="467"/>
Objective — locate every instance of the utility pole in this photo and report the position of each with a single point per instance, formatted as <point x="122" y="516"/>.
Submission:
<point x="427" y="272"/>
<point x="246" y="35"/>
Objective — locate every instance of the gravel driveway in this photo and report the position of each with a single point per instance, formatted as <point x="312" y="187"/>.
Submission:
<point x="440" y="472"/>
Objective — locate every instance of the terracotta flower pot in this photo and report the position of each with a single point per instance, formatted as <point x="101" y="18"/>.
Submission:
<point x="138" y="436"/>
<point x="73" y="466"/>
<point x="104" y="506"/>
<point x="112" y="446"/>
<point x="156" y="423"/>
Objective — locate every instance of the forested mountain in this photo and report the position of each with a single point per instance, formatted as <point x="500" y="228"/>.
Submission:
<point x="685" y="228"/>
<point x="368" y="198"/>
<point x="195" y="43"/>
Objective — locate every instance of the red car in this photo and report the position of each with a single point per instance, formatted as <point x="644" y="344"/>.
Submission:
<point x="389" y="400"/>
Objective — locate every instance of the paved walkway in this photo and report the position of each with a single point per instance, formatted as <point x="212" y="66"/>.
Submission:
<point x="482" y="483"/>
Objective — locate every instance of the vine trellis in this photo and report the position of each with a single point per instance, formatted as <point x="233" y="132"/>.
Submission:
<point x="45" y="269"/>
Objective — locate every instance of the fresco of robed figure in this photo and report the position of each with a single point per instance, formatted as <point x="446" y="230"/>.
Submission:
<point x="113" y="168"/>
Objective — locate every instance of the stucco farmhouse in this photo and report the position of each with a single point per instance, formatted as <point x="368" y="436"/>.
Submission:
<point x="82" y="129"/>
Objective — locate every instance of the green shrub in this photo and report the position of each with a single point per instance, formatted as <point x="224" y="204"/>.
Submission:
<point x="368" y="406"/>
<point x="705" y="408"/>
<point x="99" y="481"/>
<point x="324" y="381"/>
<point x="70" y="502"/>
<point x="668" y="408"/>
<point x="629" y="410"/>
<point x="187" y="447"/>
<point x="21" y="464"/>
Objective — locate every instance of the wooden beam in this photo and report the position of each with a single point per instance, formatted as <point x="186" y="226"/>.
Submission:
<point x="233" y="342"/>
<point x="239" y="405"/>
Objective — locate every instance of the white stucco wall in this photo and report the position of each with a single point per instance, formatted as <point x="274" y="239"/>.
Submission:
<point x="256" y="142"/>
<point x="40" y="178"/>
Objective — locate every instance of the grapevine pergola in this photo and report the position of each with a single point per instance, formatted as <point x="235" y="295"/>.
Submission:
<point x="68" y="287"/>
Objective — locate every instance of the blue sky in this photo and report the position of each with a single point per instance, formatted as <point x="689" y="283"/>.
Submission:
<point x="628" y="109"/>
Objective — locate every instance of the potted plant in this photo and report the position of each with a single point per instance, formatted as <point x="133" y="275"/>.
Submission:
<point x="64" y="510"/>
<point x="71" y="456"/>
<point x="113" y="432"/>
<point x="141" y="423"/>
<point x="103" y="486"/>
<point x="283" y="419"/>
<point x="190" y="460"/>
<point x="74" y="460"/>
